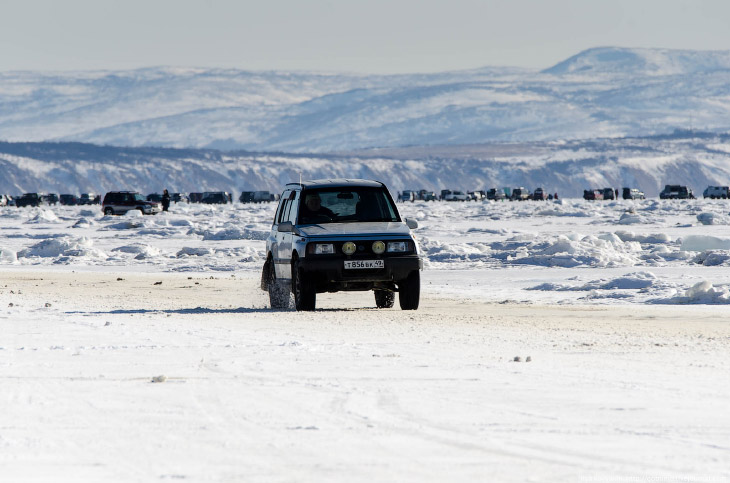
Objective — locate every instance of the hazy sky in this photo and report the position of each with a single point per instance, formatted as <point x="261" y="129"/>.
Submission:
<point x="373" y="36"/>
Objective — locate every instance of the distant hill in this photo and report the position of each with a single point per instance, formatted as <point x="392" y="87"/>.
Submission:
<point x="643" y="62"/>
<point x="686" y="157"/>
<point x="601" y="92"/>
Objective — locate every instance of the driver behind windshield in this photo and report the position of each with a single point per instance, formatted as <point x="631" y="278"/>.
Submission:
<point x="312" y="210"/>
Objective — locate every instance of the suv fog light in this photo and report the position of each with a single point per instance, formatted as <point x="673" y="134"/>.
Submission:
<point x="348" y="248"/>
<point x="378" y="247"/>
<point x="398" y="246"/>
<point x="324" y="249"/>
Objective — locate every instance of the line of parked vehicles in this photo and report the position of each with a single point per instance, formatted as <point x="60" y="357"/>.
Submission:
<point x="207" y="197"/>
<point x="496" y="194"/>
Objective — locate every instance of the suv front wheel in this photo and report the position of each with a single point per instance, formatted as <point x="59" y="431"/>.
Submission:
<point x="409" y="291"/>
<point x="108" y="211"/>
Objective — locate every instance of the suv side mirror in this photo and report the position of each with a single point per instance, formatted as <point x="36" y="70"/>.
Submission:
<point x="412" y="224"/>
<point x="285" y="227"/>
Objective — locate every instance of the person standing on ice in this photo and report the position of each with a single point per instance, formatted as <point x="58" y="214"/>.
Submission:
<point x="165" y="200"/>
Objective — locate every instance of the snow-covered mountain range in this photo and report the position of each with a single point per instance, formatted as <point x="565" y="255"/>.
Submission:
<point x="601" y="92"/>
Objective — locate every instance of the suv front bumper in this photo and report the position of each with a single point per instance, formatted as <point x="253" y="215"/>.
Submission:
<point x="326" y="271"/>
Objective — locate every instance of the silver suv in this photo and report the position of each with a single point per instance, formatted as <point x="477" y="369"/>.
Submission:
<point x="340" y="235"/>
<point x="120" y="202"/>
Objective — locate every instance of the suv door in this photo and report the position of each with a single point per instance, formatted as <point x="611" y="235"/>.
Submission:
<point x="282" y="249"/>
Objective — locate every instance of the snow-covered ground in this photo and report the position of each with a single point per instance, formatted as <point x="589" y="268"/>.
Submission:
<point x="141" y="349"/>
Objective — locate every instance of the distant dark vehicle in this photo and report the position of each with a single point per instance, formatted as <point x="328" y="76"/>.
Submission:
<point x="156" y="197"/>
<point x="609" y="194"/>
<point x="263" y="197"/>
<point x="426" y="195"/>
<point x="407" y="195"/>
<point x="120" y="202"/>
<point x="195" y="197"/>
<point x="675" y="192"/>
<point x="50" y="198"/>
<point x="246" y="196"/>
<point x="179" y="198"/>
<point x="539" y="194"/>
<point x="89" y="199"/>
<point x="444" y="193"/>
<point x="30" y="199"/>
<point x="520" y="194"/>
<point x="633" y="194"/>
<point x="67" y="199"/>
<point x="215" y="198"/>
<point x="592" y="195"/>
<point x="496" y="194"/>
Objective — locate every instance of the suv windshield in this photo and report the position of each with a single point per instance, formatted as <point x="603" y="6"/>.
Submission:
<point x="343" y="205"/>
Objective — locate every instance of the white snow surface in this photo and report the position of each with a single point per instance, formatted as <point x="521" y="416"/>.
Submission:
<point x="140" y="348"/>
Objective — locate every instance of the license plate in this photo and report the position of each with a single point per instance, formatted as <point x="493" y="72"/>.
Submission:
<point x="364" y="264"/>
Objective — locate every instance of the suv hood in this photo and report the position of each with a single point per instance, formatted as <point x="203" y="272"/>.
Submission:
<point x="354" y="229"/>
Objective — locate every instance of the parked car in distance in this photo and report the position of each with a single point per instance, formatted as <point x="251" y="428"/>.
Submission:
<point x="592" y="195"/>
<point x="539" y="194"/>
<point x="68" y="199"/>
<point x="87" y="199"/>
<point x="215" y="198"/>
<point x="407" y="195"/>
<point x="675" y="191"/>
<point x="195" y="197"/>
<point x="246" y="197"/>
<point x="520" y="194"/>
<point x="609" y="194"/>
<point x="714" y="192"/>
<point x="50" y="198"/>
<point x="632" y="194"/>
<point x="179" y="198"/>
<point x="455" y="196"/>
<point x="478" y="195"/>
<point x="156" y="197"/>
<point x="120" y="202"/>
<point x="496" y="194"/>
<point x="426" y="195"/>
<point x="264" y="197"/>
<point x="340" y="235"/>
<point x="4" y="200"/>
<point x="30" y="199"/>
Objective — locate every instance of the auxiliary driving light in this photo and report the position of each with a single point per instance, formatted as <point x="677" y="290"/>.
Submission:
<point x="378" y="247"/>
<point x="348" y="248"/>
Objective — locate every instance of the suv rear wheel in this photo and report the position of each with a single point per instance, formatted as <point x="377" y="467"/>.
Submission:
<point x="278" y="295"/>
<point x="305" y="297"/>
<point x="384" y="299"/>
<point x="108" y="211"/>
<point x="409" y="291"/>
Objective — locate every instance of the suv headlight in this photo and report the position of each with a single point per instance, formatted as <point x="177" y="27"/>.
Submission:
<point x="324" y="249"/>
<point x="378" y="247"/>
<point x="400" y="246"/>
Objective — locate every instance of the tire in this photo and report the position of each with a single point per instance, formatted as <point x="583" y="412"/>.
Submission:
<point x="278" y="294"/>
<point x="384" y="299"/>
<point x="305" y="296"/>
<point x="108" y="211"/>
<point x="409" y="291"/>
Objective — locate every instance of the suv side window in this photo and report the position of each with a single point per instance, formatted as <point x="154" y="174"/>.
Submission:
<point x="291" y="211"/>
<point x="283" y="205"/>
